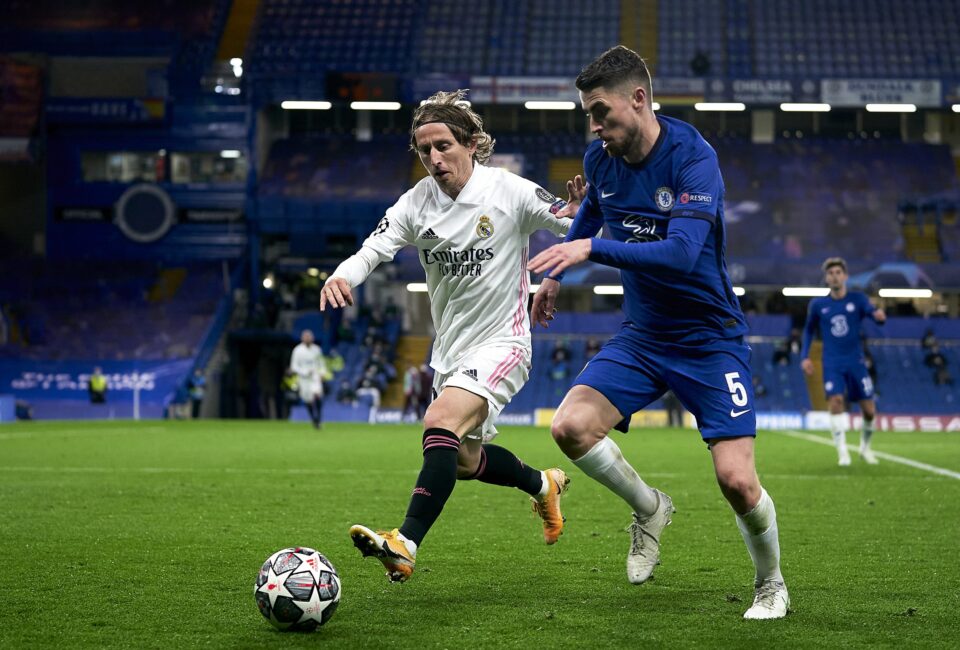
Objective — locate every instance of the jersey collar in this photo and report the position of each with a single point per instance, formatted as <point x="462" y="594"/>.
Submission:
<point x="654" y="150"/>
<point x="472" y="192"/>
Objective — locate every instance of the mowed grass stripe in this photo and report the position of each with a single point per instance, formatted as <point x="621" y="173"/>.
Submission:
<point x="105" y="551"/>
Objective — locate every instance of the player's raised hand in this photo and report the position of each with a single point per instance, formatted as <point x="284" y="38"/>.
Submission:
<point x="560" y="257"/>
<point x="336" y="293"/>
<point x="879" y="316"/>
<point x="807" y="366"/>
<point x="542" y="310"/>
<point x="576" y="190"/>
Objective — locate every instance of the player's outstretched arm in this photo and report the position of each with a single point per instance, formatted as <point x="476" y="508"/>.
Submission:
<point x="336" y="293"/>
<point x="576" y="192"/>
<point x="542" y="309"/>
<point x="879" y="316"/>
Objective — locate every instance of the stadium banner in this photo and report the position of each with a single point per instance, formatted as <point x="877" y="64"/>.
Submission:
<point x="820" y="421"/>
<point x="517" y="90"/>
<point x="83" y="110"/>
<point x="857" y="92"/>
<point x="416" y="89"/>
<point x="951" y="92"/>
<point x="763" y="91"/>
<point x="62" y="385"/>
<point x="678" y="90"/>
<point x="75" y="213"/>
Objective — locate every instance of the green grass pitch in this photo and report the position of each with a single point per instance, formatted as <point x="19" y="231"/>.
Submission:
<point x="150" y="535"/>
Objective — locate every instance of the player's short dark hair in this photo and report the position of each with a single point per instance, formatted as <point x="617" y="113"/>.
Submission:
<point x="614" y="67"/>
<point x="831" y="262"/>
<point x="453" y="110"/>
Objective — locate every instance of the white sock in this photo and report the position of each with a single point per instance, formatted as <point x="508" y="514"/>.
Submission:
<point x="409" y="543"/>
<point x="838" y="430"/>
<point x="759" y="530"/>
<point x="866" y="434"/>
<point x="606" y="465"/>
<point x="545" y="486"/>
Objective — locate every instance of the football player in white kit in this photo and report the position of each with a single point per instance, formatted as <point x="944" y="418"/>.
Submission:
<point x="472" y="225"/>
<point x="307" y="361"/>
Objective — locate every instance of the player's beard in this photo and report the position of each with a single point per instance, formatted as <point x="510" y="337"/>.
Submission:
<point x="622" y="146"/>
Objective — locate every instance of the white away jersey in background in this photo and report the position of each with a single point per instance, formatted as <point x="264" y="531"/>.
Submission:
<point x="308" y="362"/>
<point x="474" y="251"/>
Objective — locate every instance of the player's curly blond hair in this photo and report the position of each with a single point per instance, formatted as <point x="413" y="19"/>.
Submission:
<point x="453" y="110"/>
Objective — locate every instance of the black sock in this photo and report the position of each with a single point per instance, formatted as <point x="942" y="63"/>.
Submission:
<point x="318" y="405"/>
<point x="434" y="485"/>
<point x="499" y="466"/>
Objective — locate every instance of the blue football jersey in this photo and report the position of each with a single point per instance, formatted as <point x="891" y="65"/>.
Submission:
<point x="675" y="191"/>
<point x="838" y="322"/>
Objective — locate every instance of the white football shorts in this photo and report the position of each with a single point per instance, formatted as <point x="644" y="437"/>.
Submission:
<point x="493" y="371"/>
<point x="310" y="389"/>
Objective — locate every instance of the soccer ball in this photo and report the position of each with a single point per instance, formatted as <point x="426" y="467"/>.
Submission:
<point x="297" y="589"/>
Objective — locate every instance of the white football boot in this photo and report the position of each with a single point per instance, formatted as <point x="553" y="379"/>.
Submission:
<point x="771" y="601"/>
<point x="644" y="552"/>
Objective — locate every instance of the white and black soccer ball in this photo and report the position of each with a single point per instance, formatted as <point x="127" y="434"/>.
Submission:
<point x="297" y="589"/>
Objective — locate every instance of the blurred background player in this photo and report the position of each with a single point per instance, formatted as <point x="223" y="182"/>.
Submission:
<point x="307" y="362"/>
<point x="472" y="224"/>
<point x="656" y="184"/>
<point x="837" y="317"/>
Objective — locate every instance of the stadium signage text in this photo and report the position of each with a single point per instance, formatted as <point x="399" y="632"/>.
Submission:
<point x="857" y="92"/>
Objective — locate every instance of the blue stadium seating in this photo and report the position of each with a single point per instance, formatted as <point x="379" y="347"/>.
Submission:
<point x="812" y="39"/>
<point x="101" y="311"/>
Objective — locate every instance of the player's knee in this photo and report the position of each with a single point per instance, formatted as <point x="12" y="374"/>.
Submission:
<point x="739" y="486"/>
<point x="436" y="417"/>
<point x="567" y="430"/>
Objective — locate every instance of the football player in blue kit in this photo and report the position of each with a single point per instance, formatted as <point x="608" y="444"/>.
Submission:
<point x="655" y="183"/>
<point x="837" y="317"/>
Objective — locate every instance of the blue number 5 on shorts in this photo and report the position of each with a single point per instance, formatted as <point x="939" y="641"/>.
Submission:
<point x="713" y="381"/>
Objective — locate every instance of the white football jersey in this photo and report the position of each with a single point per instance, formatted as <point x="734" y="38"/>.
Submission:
<point x="307" y="362"/>
<point x="474" y="251"/>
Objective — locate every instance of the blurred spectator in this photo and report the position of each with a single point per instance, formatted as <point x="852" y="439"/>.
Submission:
<point x="425" y="393"/>
<point x="345" y="331"/>
<point x="560" y="361"/>
<point x="781" y="354"/>
<point x="290" y="389"/>
<point x="759" y="390"/>
<point x="368" y="387"/>
<point x="346" y="393"/>
<point x="929" y="339"/>
<point x="593" y="346"/>
<point x="671" y="403"/>
<point x="196" y="387"/>
<point x="938" y="362"/>
<point x="794" y="341"/>
<point x="97" y="387"/>
<point x="23" y="410"/>
<point x="411" y="393"/>
<point x="334" y="361"/>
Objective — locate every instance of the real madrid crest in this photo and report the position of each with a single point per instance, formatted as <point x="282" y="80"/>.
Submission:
<point x="485" y="227"/>
<point x="664" y="198"/>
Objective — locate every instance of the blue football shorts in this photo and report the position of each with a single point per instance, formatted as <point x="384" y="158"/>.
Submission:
<point x="851" y="378"/>
<point x="712" y="380"/>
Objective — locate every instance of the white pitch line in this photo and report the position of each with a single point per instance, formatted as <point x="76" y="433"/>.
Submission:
<point x="879" y="454"/>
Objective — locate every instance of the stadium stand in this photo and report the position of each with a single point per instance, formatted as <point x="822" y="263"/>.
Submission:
<point x="70" y="311"/>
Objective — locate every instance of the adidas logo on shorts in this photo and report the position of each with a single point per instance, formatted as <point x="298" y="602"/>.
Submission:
<point x="428" y="234"/>
<point x="471" y="373"/>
